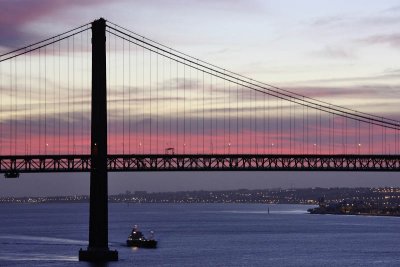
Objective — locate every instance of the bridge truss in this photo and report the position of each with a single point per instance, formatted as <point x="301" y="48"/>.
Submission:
<point x="12" y="166"/>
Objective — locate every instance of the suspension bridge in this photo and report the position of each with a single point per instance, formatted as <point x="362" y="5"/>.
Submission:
<point x="101" y="98"/>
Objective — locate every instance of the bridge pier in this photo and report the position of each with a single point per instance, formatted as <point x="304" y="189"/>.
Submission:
<point x="98" y="219"/>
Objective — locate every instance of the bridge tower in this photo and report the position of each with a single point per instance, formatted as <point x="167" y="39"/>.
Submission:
<point x="98" y="219"/>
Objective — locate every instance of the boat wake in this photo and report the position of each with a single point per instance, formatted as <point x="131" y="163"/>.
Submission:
<point x="40" y="240"/>
<point x="36" y="257"/>
<point x="291" y="211"/>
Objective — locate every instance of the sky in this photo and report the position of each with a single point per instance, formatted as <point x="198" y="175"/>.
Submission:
<point x="343" y="52"/>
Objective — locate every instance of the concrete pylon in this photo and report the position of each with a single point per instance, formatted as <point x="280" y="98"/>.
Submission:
<point x="98" y="219"/>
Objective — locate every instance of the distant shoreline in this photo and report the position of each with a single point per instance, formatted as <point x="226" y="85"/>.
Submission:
<point x="357" y="201"/>
<point x="318" y="211"/>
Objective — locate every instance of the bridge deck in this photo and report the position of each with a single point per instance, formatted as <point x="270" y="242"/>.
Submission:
<point x="13" y="165"/>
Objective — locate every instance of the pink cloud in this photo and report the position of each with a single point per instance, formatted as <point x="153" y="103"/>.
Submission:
<point x="324" y="141"/>
<point x="389" y="39"/>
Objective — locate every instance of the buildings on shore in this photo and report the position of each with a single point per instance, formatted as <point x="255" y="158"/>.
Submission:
<point x="375" y="197"/>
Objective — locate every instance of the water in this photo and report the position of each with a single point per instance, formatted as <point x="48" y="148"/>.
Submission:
<point x="201" y="235"/>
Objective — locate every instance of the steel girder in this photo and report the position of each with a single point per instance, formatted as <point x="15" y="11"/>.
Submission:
<point x="13" y="165"/>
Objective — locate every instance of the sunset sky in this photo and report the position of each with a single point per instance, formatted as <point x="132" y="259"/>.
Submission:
<point x="342" y="52"/>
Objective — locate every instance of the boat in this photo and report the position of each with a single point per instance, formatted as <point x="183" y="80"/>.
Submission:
<point x="137" y="239"/>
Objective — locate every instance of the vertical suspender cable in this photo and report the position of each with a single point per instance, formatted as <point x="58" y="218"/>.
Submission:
<point x="255" y="123"/>
<point x="320" y="132"/>
<point x="40" y="104"/>
<point x="10" y="110"/>
<point x="382" y="141"/>
<point x="82" y="93"/>
<point x="237" y="118"/>
<point x="333" y="133"/>
<point x="130" y="100"/>
<point x="59" y="97"/>
<point x="345" y="135"/>
<point x="45" y="101"/>
<point x="30" y="103"/>
<point x="73" y="95"/>
<point x="316" y="132"/>
<point x="16" y="132"/>
<point x="330" y="128"/>
<point x="108" y="40"/>
<point x="307" y="133"/>
<point x="203" y="114"/>
<point x="369" y="137"/>
<point x="163" y="99"/>
<point x="395" y="141"/>
<point x="251" y="94"/>
<point x="1" y="110"/>
<point x="184" y="108"/>
<point x="88" y="87"/>
<point x="215" y="132"/>
<point x="359" y="137"/>
<point x="264" y="126"/>
<point x="385" y="149"/>
<point x="303" y="125"/>
<point x="190" y="105"/>
<point x="290" y="127"/>
<point x="372" y="139"/>
<point x="277" y="124"/>
<point x="150" y="96"/>
<point x="224" y="108"/>
<point x="68" y="93"/>
<point x="268" y="125"/>
<point x="294" y="128"/>
<point x="53" y="143"/>
<point x="281" y="144"/>
<point x="114" y="95"/>
<point x="123" y="96"/>
<point x="137" y="114"/>
<point x="143" y="108"/>
<point x="24" y="144"/>
<point x="157" y="136"/>
<point x="210" y="135"/>
<point x="229" y="115"/>
<point x="343" y="122"/>
<point x="177" y="118"/>
<point x="197" y="113"/>
<point x="171" y="104"/>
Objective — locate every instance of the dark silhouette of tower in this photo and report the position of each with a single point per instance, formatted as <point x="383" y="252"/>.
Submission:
<point x="98" y="219"/>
